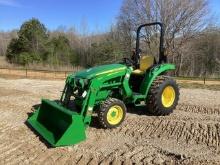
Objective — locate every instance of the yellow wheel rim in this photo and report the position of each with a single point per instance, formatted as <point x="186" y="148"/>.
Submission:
<point x="115" y="115"/>
<point x="168" y="96"/>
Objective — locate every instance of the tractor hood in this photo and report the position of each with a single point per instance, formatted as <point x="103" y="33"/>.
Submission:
<point x="100" y="70"/>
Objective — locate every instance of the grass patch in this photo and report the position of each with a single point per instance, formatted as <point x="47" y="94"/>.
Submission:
<point x="215" y="87"/>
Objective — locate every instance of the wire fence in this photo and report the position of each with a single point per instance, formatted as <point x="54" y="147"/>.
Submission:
<point x="35" y="73"/>
<point x="58" y="74"/>
<point x="202" y="80"/>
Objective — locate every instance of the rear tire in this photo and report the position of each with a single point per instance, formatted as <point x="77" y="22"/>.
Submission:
<point x="111" y="113"/>
<point x="163" y="96"/>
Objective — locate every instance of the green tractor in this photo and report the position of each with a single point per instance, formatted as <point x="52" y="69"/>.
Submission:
<point x="107" y="90"/>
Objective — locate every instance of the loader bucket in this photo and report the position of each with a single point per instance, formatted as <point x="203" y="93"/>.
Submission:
<point x="58" y="125"/>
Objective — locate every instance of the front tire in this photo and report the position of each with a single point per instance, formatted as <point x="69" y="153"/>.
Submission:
<point x="111" y="113"/>
<point x="163" y="96"/>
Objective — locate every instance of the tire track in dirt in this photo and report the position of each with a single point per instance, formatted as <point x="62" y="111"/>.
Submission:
<point x="141" y="139"/>
<point x="188" y="132"/>
<point x="140" y="128"/>
<point x="8" y="149"/>
<point x="17" y="145"/>
<point x="17" y="156"/>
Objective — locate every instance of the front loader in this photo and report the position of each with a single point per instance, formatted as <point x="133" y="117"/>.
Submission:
<point x="107" y="90"/>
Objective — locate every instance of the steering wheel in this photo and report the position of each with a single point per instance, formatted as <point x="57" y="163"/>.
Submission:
<point x="128" y="61"/>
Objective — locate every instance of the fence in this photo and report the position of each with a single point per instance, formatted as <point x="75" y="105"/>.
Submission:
<point x="55" y="74"/>
<point x="32" y="73"/>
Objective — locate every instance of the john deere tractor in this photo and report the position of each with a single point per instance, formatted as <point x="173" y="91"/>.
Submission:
<point x="107" y="90"/>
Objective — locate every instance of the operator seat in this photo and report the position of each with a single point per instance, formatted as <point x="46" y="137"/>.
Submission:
<point x="145" y="63"/>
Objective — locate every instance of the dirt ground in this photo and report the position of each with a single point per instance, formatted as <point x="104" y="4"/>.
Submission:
<point x="190" y="135"/>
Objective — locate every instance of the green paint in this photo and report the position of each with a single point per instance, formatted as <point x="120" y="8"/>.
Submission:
<point x="152" y="74"/>
<point x="59" y="126"/>
<point x="113" y="114"/>
<point x="100" y="70"/>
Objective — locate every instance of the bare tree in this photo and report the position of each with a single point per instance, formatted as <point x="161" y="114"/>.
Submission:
<point x="5" y="38"/>
<point x="182" y="20"/>
<point x="204" y="54"/>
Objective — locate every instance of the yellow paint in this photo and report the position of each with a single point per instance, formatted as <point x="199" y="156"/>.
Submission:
<point x="138" y="71"/>
<point x="145" y="63"/>
<point x="168" y="96"/>
<point x="110" y="71"/>
<point x="115" y="115"/>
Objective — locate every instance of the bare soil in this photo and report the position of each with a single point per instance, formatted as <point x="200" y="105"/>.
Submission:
<point x="191" y="135"/>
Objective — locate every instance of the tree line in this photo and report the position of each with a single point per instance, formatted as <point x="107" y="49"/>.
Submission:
<point x="191" y="42"/>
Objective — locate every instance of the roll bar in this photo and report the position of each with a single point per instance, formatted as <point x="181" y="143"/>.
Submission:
<point x="162" y="57"/>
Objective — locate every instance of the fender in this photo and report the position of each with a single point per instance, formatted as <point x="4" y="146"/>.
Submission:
<point x="152" y="74"/>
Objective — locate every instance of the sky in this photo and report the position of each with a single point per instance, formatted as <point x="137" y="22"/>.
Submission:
<point x="98" y="15"/>
<point x="215" y="8"/>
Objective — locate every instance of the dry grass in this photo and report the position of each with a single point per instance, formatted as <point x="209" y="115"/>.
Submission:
<point x="38" y="66"/>
<point x="194" y="85"/>
<point x="52" y="67"/>
<point x="197" y="83"/>
<point x="34" y="74"/>
<point x="39" y="71"/>
<point x="3" y="62"/>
